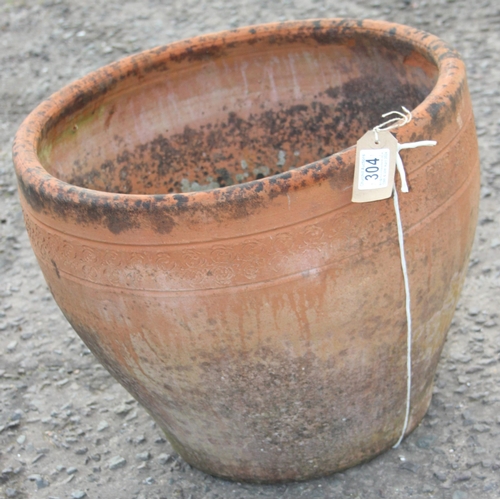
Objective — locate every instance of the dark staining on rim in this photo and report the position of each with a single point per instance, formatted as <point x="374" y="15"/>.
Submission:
<point x="194" y="54"/>
<point x="443" y="111"/>
<point x="239" y="150"/>
<point x="314" y="130"/>
<point x="271" y="141"/>
<point x="320" y="33"/>
<point x="337" y="32"/>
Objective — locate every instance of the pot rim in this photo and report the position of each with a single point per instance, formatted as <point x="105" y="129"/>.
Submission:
<point x="35" y="180"/>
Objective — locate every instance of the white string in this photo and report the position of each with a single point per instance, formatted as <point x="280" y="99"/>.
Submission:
<point x="408" y="315"/>
<point x="404" y="189"/>
<point x="399" y="121"/>
<point x="399" y="161"/>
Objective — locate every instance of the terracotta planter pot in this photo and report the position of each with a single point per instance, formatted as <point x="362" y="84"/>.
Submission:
<point x="190" y="209"/>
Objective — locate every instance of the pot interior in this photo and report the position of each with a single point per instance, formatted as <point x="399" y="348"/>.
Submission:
<point x="221" y="113"/>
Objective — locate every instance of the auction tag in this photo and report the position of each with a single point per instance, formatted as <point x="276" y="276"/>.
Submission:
<point x="375" y="166"/>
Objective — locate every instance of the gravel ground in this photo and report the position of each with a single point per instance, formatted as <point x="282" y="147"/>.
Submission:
<point x="68" y="430"/>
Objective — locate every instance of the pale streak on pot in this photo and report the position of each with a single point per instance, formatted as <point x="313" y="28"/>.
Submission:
<point x="261" y="324"/>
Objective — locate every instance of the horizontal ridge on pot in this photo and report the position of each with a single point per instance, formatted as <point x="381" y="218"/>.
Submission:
<point x="190" y="209"/>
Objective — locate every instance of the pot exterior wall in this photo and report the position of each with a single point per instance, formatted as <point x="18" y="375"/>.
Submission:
<point x="277" y="354"/>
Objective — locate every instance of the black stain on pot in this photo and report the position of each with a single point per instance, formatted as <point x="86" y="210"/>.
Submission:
<point x="236" y="152"/>
<point x="192" y="54"/>
<point x="436" y="110"/>
<point x="244" y="154"/>
<point x="288" y="406"/>
<point x="275" y="141"/>
<point x="115" y="221"/>
<point x="242" y="149"/>
<point x="340" y="32"/>
<point x="163" y="223"/>
<point x="56" y="268"/>
<point x="181" y="201"/>
<point x="444" y="111"/>
<point x="32" y="194"/>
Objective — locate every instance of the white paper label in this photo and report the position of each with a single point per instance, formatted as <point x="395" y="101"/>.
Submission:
<point x="374" y="168"/>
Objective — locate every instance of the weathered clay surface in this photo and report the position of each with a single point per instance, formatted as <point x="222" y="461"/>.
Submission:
<point x="453" y="453"/>
<point x="259" y="322"/>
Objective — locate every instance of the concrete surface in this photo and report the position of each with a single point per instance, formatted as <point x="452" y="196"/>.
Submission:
<point x="68" y="430"/>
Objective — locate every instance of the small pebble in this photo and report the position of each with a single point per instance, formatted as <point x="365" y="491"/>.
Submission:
<point x="425" y="442"/>
<point x="178" y="492"/>
<point x="78" y="494"/>
<point x="81" y="451"/>
<point x="10" y="492"/>
<point x="164" y="458"/>
<point x="139" y="439"/>
<point x="17" y="415"/>
<point x="474" y="369"/>
<point x="11" y="346"/>
<point x="463" y="476"/>
<point x="481" y="428"/>
<point x="144" y="456"/>
<point x="441" y="475"/>
<point x="490" y="486"/>
<point x="122" y="409"/>
<point x="116" y="462"/>
<point x="71" y="470"/>
<point x="409" y="466"/>
<point x="480" y="474"/>
<point x="21" y="439"/>
<point x="39" y="481"/>
<point x="103" y="425"/>
<point x="37" y="458"/>
<point x="476" y="396"/>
